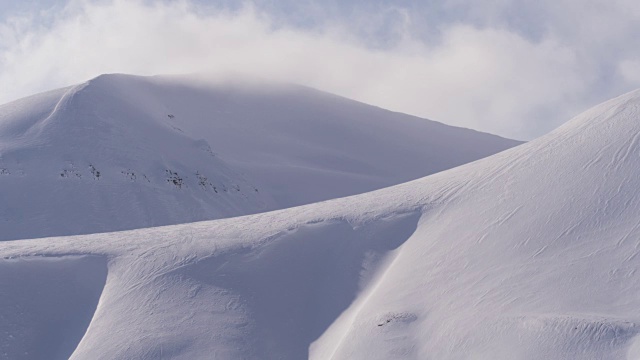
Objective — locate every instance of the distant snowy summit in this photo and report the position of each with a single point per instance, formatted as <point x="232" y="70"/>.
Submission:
<point x="122" y="152"/>
<point x="93" y="158"/>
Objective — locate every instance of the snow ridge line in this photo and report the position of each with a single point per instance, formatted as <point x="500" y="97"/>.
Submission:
<point x="62" y="104"/>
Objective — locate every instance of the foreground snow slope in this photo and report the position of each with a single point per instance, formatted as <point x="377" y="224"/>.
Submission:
<point x="529" y="254"/>
<point x="122" y="152"/>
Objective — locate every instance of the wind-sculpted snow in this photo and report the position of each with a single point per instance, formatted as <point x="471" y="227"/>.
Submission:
<point x="528" y="254"/>
<point x="123" y="152"/>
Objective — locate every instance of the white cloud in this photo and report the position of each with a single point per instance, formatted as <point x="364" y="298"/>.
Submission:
<point x="492" y="79"/>
<point x="630" y="70"/>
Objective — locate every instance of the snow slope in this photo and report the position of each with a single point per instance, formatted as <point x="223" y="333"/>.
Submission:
<point x="304" y="145"/>
<point x="123" y="152"/>
<point x="528" y="254"/>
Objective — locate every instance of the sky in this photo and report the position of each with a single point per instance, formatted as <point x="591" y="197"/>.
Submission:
<point x="514" y="68"/>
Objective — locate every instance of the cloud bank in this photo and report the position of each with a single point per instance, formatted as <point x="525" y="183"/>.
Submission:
<point x="475" y="69"/>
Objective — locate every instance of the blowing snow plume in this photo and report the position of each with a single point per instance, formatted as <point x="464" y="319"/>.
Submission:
<point x="411" y="58"/>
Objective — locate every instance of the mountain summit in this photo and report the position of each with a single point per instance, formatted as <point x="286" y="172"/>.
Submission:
<point x="122" y="152"/>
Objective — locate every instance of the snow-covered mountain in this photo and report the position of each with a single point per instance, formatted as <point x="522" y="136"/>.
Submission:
<point x="528" y="254"/>
<point x="84" y="159"/>
<point x="122" y="152"/>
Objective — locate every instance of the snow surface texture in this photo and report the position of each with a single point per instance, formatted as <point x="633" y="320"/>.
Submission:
<point x="123" y="152"/>
<point x="528" y="254"/>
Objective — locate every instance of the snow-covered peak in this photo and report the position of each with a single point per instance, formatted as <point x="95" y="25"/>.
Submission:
<point x="90" y="158"/>
<point x="122" y="152"/>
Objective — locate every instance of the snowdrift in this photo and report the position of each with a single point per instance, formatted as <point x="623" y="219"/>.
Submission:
<point x="123" y="152"/>
<point x="528" y="254"/>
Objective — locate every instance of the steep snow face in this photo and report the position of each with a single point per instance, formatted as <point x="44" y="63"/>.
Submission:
<point x="531" y="253"/>
<point x="50" y="305"/>
<point x="122" y="152"/>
